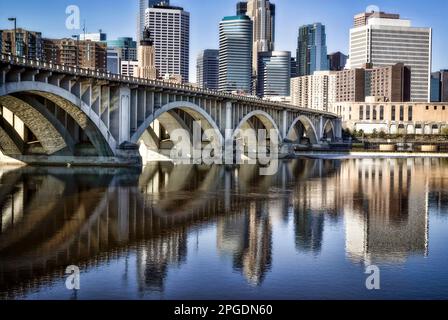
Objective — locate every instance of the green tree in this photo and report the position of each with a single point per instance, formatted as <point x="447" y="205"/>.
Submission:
<point x="382" y="135"/>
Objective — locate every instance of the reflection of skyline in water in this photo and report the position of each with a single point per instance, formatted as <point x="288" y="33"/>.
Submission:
<point x="51" y="218"/>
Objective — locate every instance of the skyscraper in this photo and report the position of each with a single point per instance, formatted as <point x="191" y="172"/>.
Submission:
<point x="337" y="61"/>
<point x="207" y="69"/>
<point x="312" y="49"/>
<point x="143" y="5"/>
<point x="274" y="73"/>
<point x="170" y="27"/>
<point x="439" y="86"/>
<point x="294" y="72"/>
<point x="262" y="14"/>
<point x="146" y="57"/>
<point x="386" y="41"/>
<point x="235" y="54"/>
<point x="113" y="61"/>
<point x="126" y="48"/>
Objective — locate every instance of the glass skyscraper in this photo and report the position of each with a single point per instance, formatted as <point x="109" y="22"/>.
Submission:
<point x="207" y="69"/>
<point x="312" y="49"/>
<point x="274" y="73"/>
<point x="235" y="54"/>
<point x="126" y="48"/>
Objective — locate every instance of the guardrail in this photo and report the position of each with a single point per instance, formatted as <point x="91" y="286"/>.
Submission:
<point x="22" y="61"/>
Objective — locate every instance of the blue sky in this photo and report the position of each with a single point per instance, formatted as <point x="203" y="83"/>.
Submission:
<point x="118" y="18"/>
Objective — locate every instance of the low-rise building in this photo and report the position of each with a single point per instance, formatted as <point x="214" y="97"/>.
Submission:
<point x="85" y="54"/>
<point x="376" y="114"/>
<point x="129" y="68"/>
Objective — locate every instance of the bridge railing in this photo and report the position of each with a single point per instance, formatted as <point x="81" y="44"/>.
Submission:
<point x="74" y="70"/>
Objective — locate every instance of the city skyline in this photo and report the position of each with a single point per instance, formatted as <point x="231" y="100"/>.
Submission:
<point x="204" y="32"/>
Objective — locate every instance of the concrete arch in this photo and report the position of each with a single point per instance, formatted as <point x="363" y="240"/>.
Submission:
<point x="309" y="129"/>
<point x="264" y="117"/>
<point x="11" y="143"/>
<point x="84" y="116"/>
<point x="48" y="136"/>
<point x="333" y="131"/>
<point x="196" y="112"/>
<point x="36" y="105"/>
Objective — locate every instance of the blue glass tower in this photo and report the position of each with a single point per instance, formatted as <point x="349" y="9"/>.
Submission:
<point x="235" y="54"/>
<point x="312" y="49"/>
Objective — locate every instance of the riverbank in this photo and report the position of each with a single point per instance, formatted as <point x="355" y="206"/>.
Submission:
<point x="367" y="154"/>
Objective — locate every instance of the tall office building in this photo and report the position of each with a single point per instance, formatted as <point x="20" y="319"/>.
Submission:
<point x="125" y="47"/>
<point x="337" y="61"/>
<point x="294" y="72"/>
<point x="22" y="43"/>
<point x="274" y="73"/>
<point x="386" y="41"/>
<point x="143" y="5"/>
<point x="312" y="49"/>
<point x="146" y="57"/>
<point x="315" y="91"/>
<point x="241" y="8"/>
<point x="439" y="86"/>
<point x="235" y="54"/>
<point x="262" y="14"/>
<point x="113" y="61"/>
<point x="207" y="69"/>
<point x="170" y="27"/>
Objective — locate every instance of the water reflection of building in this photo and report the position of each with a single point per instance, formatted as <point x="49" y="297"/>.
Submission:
<point x="154" y="258"/>
<point x="314" y="201"/>
<point x="385" y="209"/>
<point x="309" y="229"/>
<point x="248" y="239"/>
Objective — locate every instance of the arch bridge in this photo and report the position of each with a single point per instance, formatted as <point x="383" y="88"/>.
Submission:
<point x="51" y="111"/>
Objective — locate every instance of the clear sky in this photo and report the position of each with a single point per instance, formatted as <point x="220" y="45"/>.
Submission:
<point x="118" y="18"/>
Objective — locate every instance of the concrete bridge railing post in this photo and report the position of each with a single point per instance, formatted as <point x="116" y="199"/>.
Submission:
<point x="228" y="133"/>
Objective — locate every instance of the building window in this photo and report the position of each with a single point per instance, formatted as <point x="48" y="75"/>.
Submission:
<point x="381" y="113"/>
<point x="427" y="107"/>
<point x="392" y="113"/>
<point x="410" y="116"/>
<point x="361" y="112"/>
<point x="367" y="112"/>
<point x="443" y="107"/>
<point x="401" y="113"/>
<point x="435" y="107"/>
<point x="374" y="113"/>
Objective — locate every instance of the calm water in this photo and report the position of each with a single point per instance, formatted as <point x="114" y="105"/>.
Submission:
<point x="192" y="232"/>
